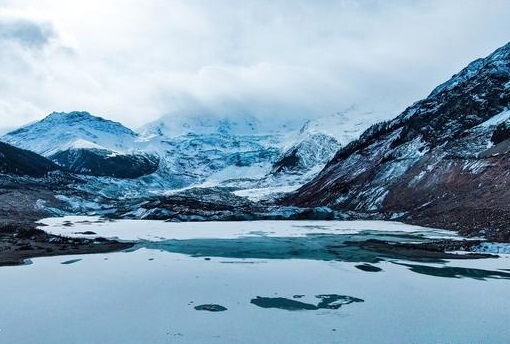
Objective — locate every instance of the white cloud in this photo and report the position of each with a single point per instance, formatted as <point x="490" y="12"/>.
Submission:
<point x="133" y="61"/>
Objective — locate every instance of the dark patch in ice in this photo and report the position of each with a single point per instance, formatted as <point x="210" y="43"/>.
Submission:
<point x="86" y="233"/>
<point x="211" y="308"/>
<point x="368" y="268"/>
<point x="323" y="247"/>
<point x="307" y="227"/>
<point x="456" y="272"/>
<point x="241" y="262"/>
<point x="298" y="296"/>
<point x="259" y="233"/>
<point x="282" y="303"/>
<point x="422" y="250"/>
<point x="91" y="222"/>
<point x="71" y="261"/>
<point x="369" y="247"/>
<point x="327" y="301"/>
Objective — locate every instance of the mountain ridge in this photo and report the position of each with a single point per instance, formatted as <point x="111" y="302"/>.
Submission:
<point x="190" y="151"/>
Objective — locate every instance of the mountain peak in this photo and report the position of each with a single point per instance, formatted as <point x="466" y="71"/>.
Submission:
<point x="73" y="117"/>
<point x="496" y="63"/>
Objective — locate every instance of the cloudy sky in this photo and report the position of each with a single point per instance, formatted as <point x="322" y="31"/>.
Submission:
<point x="133" y="61"/>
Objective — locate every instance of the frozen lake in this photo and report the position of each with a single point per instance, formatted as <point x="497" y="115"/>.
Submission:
<point x="280" y="282"/>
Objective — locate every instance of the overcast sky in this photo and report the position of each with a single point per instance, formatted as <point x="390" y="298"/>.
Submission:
<point x="133" y="61"/>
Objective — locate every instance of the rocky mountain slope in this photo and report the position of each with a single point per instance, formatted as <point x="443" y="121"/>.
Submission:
<point x="18" y="161"/>
<point x="443" y="162"/>
<point x="104" y="163"/>
<point x="29" y="184"/>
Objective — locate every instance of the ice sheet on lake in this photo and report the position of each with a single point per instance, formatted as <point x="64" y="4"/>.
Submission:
<point x="75" y="226"/>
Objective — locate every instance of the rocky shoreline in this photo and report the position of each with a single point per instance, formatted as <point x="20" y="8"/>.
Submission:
<point x="21" y="241"/>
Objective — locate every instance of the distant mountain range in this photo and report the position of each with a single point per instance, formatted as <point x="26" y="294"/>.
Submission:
<point x="178" y="152"/>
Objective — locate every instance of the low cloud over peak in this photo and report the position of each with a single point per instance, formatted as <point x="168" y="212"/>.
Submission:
<point x="135" y="61"/>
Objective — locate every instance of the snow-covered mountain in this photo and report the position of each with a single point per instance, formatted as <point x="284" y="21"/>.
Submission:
<point x="211" y="150"/>
<point x="60" y="131"/>
<point x="297" y="163"/>
<point x="244" y="152"/>
<point x="86" y="144"/>
<point x="180" y="151"/>
<point x="444" y="161"/>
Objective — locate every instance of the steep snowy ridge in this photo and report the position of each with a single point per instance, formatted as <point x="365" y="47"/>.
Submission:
<point x="440" y="157"/>
<point x="471" y="70"/>
<point x="308" y="152"/>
